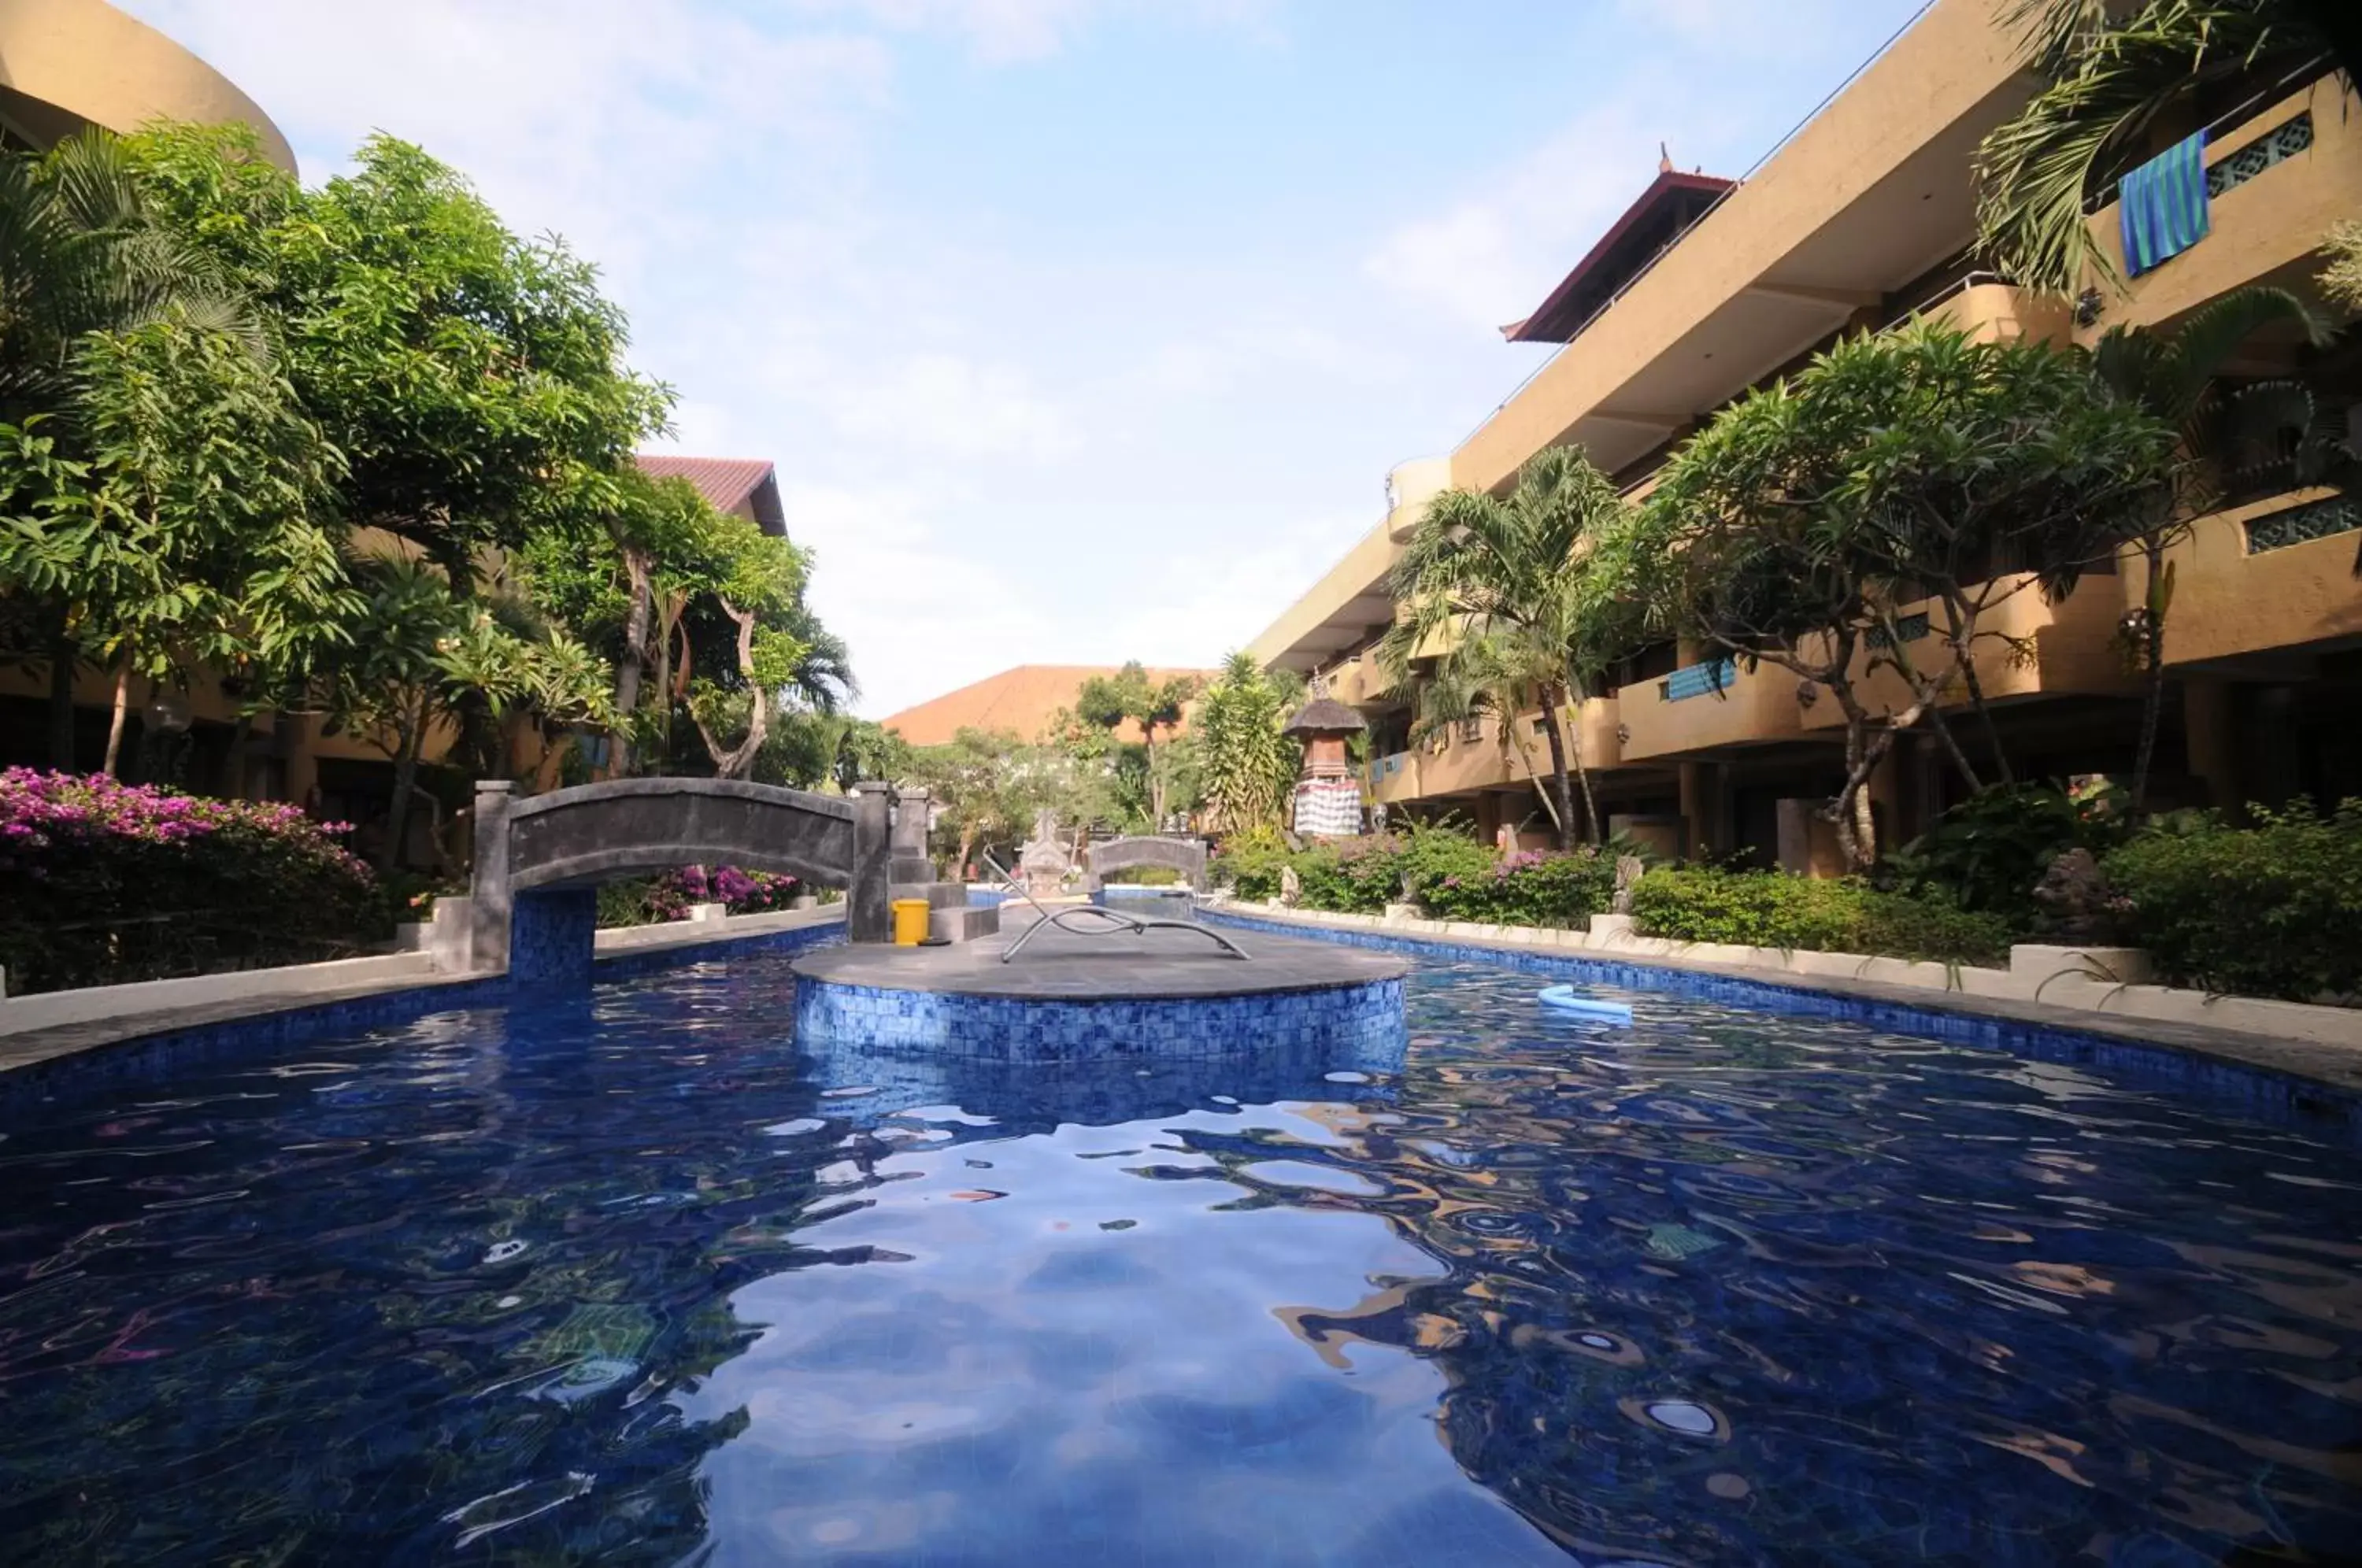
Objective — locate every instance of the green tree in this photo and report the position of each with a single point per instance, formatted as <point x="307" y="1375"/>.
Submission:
<point x="2109" y="78"/>
<point x="1246" y="766"/>
<point x="470" y="377"/>
<point x="189" y="536"/>
<point x="1505" y="579"/>
<point x="979" y="784"/>
<point x="1800" y="526"/>
<point x="423" y="660"/>
<point x="2174" y="376"/>
<point x="1105" y="702"/>
<point x="82" y="251"/>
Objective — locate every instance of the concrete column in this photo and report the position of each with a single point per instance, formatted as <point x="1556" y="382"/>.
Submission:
<point x="2209" y="730"/>
<point x="868" y="907"/>
<point x="911" y="862"/>
<point x="1886" y="787"/>
<point x="490" y="903"/>
<point x="1702" y="813"/>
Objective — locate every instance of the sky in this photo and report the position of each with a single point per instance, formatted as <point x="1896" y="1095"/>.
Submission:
<point x="1079" y="330"/>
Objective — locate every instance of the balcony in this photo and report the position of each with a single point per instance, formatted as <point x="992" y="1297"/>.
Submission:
<point x="2275" y="574"/>
<point x="1474" y="758"/>
<point x="2025" y="647"/>
<point x="1707" y="707"/>
<point x="1990" y="311"/>
<point x="2275" y="184"/>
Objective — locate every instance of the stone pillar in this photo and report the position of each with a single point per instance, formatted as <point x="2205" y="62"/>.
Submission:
<point x="552" y="937"/>
<point x="1700" y="787"/>
<point x="911" y="862"/>
<point x="490" y="901"/>
<point x="869" y="909"/>
<point x="2211" y="743"/>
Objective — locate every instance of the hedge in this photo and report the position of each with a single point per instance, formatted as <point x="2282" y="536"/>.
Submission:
<point x="1447" y="873"/>
<point x="2270" y="910"/>
<point x="102" y="883"/>
<point x="1774" y="909"/>
<point x="651" y="900"/>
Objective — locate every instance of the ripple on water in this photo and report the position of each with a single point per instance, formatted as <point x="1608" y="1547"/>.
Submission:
<point x="638" y="1281"/>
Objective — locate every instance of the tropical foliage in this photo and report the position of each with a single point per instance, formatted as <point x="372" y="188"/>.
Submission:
<point x="102" y="882"/>
<point x="1246" y="766"/>
<point x="2269" y="909"/>
<point x="1914" y="468"/>
<point x="1498" y="593"/>
<point x="2111" y="77"/>
<point x="1772" y="908"/>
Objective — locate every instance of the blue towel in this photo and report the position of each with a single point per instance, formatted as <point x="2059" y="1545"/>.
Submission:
<point x="2161" y="206"/>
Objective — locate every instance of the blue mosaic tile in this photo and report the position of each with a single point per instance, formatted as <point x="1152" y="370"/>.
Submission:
<point x="2281" y="1097"/>
<point x="1344" y="1021"/>
<point x="40" y="1089"/>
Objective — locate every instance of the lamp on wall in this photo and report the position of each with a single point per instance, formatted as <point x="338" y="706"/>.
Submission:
<point x="168" y="713"/>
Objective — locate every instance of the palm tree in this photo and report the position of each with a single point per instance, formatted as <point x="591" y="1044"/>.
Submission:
<point x="1510" y="573"/>
<point x="80" y="253"/>
<point x="2173" y="376"/>
<point x="1480" y="677"/>
<point x="2108" y="82"/>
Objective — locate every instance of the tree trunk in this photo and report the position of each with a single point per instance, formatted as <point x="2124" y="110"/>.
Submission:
<point x="634" y="660"/>
<point x="1964" y="636"/>
<point x="62" y="659"/>
<point x="115" y="725"/>
<point x="738" y="761"/>
<point x="234" y="770"/>
<point x="1551" y="731"/>
<point x="405" y="780"/>
<point x="1593" y="825"/>
<point x="2152" y="673"/>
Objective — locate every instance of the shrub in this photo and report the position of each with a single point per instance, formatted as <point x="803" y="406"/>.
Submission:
<point x="1356" y="876"/>
<point x="1773" y="908"/>
<point x="102" y="883"/>
<point x="1248" y="865"/>
<point x="1143" y="876"/>
<point x="653" y="900"/>
<point x="1988" y="852"/>
<point x="1528" y="889"/>
<point x="2270" y="910"/>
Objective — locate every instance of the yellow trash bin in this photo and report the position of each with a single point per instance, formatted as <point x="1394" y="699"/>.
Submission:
<point x="909" y="921"/>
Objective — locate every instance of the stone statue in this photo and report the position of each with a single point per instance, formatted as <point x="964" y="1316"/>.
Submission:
<point x="1042" y="860"/>
<point x="2081" y="906"/>
<point x="1629" y="870"/>
<point x="1291" y="886"/>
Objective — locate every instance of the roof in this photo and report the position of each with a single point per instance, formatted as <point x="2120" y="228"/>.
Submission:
<point x="1649" y="227"/>
<point x="1019" y="700"/>
<point x="748" y="486"/>
<point x="1324" y="716"/>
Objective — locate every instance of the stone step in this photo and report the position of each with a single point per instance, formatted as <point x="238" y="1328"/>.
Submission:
<point x="939" y="895"/>
<point x="965" y="923"/>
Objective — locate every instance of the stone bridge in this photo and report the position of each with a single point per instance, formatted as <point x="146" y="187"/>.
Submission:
<point x="539" y="860"/>
<point x="1187" y="855"/>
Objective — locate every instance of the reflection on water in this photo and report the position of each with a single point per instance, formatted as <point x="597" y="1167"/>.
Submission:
<point x="634" y="1281"/>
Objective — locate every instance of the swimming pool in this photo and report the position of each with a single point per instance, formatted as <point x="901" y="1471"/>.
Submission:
<point x="631" y="1280"/>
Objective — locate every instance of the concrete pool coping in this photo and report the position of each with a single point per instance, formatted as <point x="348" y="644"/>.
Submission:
<point x="1063" y="966"/>
<point x="46" y="1027"/>
<point x="2327" y="1064"/>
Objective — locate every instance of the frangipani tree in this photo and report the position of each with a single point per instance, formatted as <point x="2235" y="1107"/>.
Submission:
<point x="1901" y="469"/>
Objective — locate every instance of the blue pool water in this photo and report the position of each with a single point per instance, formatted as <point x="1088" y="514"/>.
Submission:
<point x="631" y="1280"/>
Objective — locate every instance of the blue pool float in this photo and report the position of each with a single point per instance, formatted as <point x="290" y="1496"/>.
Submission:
<point x="1567" y="1000"/>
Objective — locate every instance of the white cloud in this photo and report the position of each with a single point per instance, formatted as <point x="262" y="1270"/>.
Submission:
<point x="1489" y="258"/>
<point x="949" y="405"/>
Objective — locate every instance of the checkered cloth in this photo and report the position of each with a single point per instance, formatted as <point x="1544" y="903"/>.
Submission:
<point x="1328" y="807"/>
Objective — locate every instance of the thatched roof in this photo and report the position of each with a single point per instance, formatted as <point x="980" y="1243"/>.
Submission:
<point x="1324" y="716"/>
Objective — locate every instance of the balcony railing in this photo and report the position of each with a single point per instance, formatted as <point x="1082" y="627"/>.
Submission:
<point x="1697" y="680"/>
<point x="2299" y="524"/>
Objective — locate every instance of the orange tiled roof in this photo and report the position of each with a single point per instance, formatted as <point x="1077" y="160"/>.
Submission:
<point x="1019" y="700"/>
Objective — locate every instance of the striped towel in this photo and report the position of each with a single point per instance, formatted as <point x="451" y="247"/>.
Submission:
<point x="2162" y="204"/>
